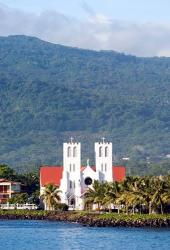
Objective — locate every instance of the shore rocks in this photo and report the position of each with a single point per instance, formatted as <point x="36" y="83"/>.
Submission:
<point x="90" y="220"/>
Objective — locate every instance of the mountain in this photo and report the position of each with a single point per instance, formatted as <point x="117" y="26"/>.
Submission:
<point x="50" y="92"/>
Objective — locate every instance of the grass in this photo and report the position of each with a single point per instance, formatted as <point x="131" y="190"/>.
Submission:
<point x="73" y="215"/>
<point x="133" y="217"/>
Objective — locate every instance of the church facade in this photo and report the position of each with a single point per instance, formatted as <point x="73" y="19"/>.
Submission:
<point x="73" y="179"/>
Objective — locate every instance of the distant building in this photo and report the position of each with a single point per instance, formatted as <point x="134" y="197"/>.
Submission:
<point x="73" y="179"/>
<point x="8" y="189"/>
<point x="126" y="158"/>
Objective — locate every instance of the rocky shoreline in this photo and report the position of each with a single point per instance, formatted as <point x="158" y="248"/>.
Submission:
<point x="91" y="220"/>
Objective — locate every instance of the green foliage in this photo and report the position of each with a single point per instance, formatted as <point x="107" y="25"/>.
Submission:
<point x="49" y="92"/>
<point x="6" y="172"/>
<point x="29" y="180"/>
<point x="34" y="197"/>
<point x="19" y="198"/>
<point x="51" y="197"/>
<point x="150" y="194"/>
<point x="61" y="207"/>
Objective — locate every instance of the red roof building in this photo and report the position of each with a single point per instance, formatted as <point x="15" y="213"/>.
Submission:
<point x="53" y="174"/>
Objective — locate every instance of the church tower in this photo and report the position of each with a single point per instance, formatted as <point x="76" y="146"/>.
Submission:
<point x="71" y="172"/>
<point x="103" y="155"/>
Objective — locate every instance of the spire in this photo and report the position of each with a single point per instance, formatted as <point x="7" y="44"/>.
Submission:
<point x="103" y="140"/>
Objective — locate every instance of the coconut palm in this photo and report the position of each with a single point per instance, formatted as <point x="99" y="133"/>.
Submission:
<point x="96" y="194"/>
<point x="51" y="196"/>
<point x="161" y="195"/>
<point x="145" y="191"/>
<point x="129" y="194"/>
<point x="112" y="192"/>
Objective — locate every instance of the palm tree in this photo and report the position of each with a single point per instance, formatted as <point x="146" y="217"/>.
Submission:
<point x="129" y="193"/>
<point x="112" y="191"/>
<point x="96" y="194"/>
<point x="51" y="196"/>
<point x="161" y="195"/>
<point x="145" y="191"/>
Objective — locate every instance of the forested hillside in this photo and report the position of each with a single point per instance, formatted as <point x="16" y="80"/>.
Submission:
<point x="51" y="92"/>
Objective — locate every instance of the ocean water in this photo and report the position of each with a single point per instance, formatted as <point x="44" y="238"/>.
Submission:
<point x="44" y="235"/>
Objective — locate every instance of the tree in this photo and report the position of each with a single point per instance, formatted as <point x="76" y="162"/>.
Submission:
<point x="96" y="194"/>
<point x="161" y="192"/>
<point x="112" y="191"/>
<point x="6" y="172"/>
<point x="19" y="198"/>
<point x="51" y="196"/>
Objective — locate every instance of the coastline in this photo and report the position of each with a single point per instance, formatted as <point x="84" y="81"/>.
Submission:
<point x="91" y="219"/>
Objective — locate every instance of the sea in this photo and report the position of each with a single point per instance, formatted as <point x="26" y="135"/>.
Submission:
<point x="47" y="235"/>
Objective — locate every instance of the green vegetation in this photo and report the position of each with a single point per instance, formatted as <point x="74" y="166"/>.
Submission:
<point x="136" y="194"/>
<point x="127" y="217"/>
<point x="89" y="219"/>
<point x="19" y="198"/>
<point x="30" y="182"/>
<point x="50" y="92"/>
<point x="51" y="197"/>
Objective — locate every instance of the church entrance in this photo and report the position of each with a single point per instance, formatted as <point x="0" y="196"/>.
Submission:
<point x="72" y="203"/>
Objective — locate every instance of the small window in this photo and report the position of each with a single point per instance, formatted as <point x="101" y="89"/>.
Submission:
<point x="100" y="152"/>
<point x="70" y="167"/>
<point x="70" y="184"/>
<point x="73" y="167"/>
<point x="105" y="167"/>
<point x="102" y="167"/>
<point x="69" y="152"/>
<point x="74" y="152"/>
<point x="106" y="151"/>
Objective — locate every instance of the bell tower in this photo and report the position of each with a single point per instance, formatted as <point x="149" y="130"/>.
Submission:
<point x="103" y="156"/>
<point x="72" y="171"/>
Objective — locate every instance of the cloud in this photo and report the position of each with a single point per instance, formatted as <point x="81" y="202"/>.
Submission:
<point x="87" y="8"/>
<point x="97" y="32"/>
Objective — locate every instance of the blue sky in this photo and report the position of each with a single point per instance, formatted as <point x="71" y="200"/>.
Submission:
<point x="140" y="28"/>
<point x="133" y="10"/>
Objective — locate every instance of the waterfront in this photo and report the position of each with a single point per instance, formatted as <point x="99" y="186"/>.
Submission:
<point x="19" y="234"/>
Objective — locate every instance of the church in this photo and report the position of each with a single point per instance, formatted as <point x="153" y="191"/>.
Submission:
<point x="73" y="179"/>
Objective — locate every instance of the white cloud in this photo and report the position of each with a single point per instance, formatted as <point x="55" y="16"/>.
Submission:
<point x="96" y="32"/>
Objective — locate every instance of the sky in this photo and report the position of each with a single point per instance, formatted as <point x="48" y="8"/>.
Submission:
<point x="134" y="27"/>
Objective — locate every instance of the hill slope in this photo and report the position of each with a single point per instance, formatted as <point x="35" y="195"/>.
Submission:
<point x="49" y="92"/>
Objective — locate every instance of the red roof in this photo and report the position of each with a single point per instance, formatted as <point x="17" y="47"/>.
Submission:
<point x="51" y="175"/>
<point x="119" y="173"/>
<point x="83" y="167"/>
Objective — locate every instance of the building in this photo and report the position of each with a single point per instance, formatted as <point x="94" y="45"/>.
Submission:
<point x="8" y="189"/>
<point x="73" y="179"/>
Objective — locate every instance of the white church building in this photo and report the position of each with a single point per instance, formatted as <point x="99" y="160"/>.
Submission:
<point x="73" y="179"/>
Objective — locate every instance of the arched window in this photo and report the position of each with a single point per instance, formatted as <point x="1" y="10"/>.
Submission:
<point x="73" y="167"/>
<point x="70" y="184"/>
<point x="68" y="151"/>
<point x="100" y="152"/>
<point x="106" y="151"/>
<point x="74" y="152"/>
<point x="105" y="167"/>
<point x="70" y="167"/>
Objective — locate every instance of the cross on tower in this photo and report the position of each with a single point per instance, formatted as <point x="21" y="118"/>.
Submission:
<point x="71" y="139"/>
